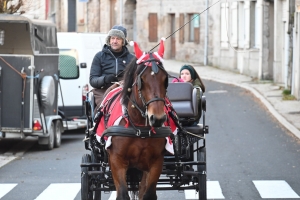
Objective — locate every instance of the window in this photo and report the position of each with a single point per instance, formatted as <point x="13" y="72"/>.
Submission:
<point x="1" y="37"/>
<point x="152" y="27"/>
<point x="194" y="29"/>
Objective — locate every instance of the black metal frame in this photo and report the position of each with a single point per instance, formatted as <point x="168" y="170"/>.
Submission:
<point x="178" y="169"/>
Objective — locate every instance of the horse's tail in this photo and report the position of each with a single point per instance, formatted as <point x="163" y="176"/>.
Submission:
<point x="134" y="177"/>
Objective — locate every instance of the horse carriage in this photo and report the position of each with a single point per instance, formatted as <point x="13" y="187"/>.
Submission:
<point x="146" y="153"/>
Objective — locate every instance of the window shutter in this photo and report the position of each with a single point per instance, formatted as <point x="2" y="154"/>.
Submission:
<point x="181" y="31"/>
<point x="247" y="24"/>
<point x="224" y="25"/>
<point x="241" y="30"/>
<point x="152" y="27"/>
<point x="197" y="35"/>
<point x="234" y="24"/>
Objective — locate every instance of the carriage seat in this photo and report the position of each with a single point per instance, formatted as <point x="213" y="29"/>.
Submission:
<point x="183" y="97"/>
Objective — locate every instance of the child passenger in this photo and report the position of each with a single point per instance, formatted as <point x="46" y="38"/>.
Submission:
<point x="189" y="74"/>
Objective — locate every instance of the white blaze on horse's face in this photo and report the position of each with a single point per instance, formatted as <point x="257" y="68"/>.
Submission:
<point x="154" y="91"/>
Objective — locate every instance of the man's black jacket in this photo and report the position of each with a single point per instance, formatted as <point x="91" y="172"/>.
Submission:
<point x="105" y="63"/>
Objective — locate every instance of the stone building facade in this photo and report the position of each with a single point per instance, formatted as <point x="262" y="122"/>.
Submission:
<point x="258" y="38"/>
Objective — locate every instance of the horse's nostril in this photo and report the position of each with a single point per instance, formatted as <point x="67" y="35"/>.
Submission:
<point x="152" y="118"/>
<point x="157" y="122"/>
<point x="164" y="118"/>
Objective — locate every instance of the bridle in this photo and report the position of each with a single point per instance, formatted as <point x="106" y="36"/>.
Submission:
<point x="156" y="65"/>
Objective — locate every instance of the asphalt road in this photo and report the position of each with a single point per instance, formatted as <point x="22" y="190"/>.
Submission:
<point x="249" y="157"/>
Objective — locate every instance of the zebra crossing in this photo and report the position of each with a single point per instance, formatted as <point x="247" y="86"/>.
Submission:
<point x="267" y="189"/>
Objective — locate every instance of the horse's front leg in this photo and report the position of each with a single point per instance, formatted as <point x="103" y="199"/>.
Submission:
<point x="118" y="169"/>
<point x="142" y="186"/>
<point x="151" y="179"/>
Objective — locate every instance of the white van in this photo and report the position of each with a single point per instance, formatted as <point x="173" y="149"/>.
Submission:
<point x="82" y="46"/>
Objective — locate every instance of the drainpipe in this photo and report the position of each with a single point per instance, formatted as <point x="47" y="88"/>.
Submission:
<point x="286" y="45"/>
<point x="294" y="57"/>
<point x="206" y="35"/>
<point x="261" y="33"/>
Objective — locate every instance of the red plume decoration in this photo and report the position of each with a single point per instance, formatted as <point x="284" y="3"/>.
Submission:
<point x="142" y="56"/>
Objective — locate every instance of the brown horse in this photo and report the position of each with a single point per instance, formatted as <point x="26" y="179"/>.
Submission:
<point x="143" y="96"/>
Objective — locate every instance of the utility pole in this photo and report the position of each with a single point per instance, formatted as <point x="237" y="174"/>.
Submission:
<point x="206" y="35"/>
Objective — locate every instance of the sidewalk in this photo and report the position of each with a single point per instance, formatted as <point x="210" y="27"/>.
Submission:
<point x="286" y="112"/>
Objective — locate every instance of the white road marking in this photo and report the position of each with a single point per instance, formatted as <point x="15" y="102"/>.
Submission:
<point x="6" y="188"/>
<point x="269" y="189"/>
<point x="113" y="195"/>
<point x="17" y="150"/>
<point x="60" y="191"/>
<point x="217" y="91"/>
<point x="214" y="191"/>
<point x="6" y="159"/>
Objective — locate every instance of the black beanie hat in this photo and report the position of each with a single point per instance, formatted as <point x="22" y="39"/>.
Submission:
<point x="192" y="72"/>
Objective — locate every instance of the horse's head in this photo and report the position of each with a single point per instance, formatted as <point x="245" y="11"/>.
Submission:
<point x="145" y="87"/>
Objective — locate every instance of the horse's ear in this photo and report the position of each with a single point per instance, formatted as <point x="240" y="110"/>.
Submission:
<point x="160" y="53"/>
<point x="161" y="49"/>
<point x="137" y="50"/>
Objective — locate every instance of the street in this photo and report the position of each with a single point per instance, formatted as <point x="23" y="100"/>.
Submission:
<point x="249" y="157"/>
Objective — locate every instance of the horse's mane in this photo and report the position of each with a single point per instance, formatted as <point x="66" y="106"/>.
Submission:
<point x="128" y="80"/>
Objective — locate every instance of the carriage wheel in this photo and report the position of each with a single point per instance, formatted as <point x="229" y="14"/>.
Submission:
<point x="96" y="194"/>
<point x="57" y="133"/>
<point x="86" y="193"/>
<point x="201" y="155"/>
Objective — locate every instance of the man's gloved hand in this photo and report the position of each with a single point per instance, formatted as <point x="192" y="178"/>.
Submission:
<point x="110" y="78"/>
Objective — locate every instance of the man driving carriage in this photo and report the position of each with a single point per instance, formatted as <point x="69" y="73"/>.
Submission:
<point x="108" y="65"/>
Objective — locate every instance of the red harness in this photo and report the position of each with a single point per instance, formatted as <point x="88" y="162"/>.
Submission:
<point x="112" y="111"/>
